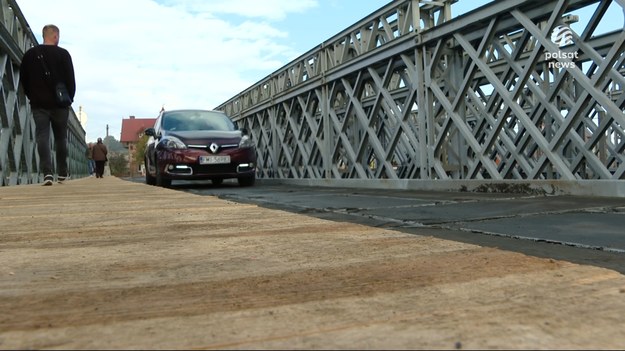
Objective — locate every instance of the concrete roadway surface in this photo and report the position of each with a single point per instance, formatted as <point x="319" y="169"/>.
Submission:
<point x="583" y="230"/>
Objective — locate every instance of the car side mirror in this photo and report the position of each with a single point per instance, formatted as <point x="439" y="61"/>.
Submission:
<point x="244" y="131"/>
<point x="150" y="132"/>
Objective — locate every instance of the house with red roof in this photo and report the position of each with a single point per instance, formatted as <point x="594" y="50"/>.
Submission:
<point x="132" y="131"/>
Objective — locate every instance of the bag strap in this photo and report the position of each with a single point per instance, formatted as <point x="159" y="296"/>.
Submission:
<point x="46" y="72"/>
<point x="41" y="58"/>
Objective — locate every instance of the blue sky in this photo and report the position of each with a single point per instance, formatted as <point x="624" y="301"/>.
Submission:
<point x="134" y="56"/>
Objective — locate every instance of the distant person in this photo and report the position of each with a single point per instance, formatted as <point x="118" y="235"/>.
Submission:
<point x="90" y="161"/>
<point x="43" y="67"/>
<point x="100" y="157"/>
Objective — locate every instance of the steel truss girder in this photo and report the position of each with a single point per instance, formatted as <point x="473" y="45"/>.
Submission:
<point x="469" y="98"/>
<point x="19" y="161"/>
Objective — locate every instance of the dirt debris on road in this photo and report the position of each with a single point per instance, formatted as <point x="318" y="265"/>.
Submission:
<point x="110" y="264"/>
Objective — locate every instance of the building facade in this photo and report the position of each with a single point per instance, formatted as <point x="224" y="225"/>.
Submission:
<point x="131" y="133"/>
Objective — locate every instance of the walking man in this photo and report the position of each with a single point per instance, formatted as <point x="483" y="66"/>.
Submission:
<point x="43" y="68"/>
<point x="100" y="156"/>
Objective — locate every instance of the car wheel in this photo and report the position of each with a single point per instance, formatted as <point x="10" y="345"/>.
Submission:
<point x="247" y="181"/>
<point x="149" y="180"/>
<point x="217" y="181"/>
<point x="160" y="180"/>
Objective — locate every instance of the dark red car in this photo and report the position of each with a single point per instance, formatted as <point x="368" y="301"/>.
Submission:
<point x="198" y="144"/>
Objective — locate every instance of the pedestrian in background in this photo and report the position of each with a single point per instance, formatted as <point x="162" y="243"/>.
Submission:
<point x="90" y="161"/>
<point x="100" y="157"/>
<point x="43" y="68"/>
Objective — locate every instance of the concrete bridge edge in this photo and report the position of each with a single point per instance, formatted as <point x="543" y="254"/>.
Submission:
<point x="602" y="188"/>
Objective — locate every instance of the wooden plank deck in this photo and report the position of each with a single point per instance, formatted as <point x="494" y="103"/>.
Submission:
<point x="111" y="264"/>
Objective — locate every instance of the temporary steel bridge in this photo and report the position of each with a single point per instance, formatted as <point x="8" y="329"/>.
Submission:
<point x="506" y="97"/>
<point x="513" y="96"/>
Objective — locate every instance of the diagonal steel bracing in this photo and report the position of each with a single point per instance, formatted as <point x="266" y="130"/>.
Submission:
<point x="412" y="93"/>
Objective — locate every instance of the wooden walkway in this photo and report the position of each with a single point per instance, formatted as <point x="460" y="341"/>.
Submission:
<point x="111" y="264"/>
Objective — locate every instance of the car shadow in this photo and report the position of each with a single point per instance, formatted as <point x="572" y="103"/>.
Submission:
<point x="204" y="184"/>
<point x="193" y="184"/>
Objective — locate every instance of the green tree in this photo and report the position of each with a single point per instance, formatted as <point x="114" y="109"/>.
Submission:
<point x="118" y="163"/>
<point x="140" y="149"/>
<point x="113" y="145"/>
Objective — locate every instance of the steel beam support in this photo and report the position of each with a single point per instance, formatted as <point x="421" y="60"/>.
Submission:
<point x="411" y="94"/>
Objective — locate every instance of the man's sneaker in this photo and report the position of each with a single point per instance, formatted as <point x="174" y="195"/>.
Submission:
<point x="61" y="179"/>
<point x="48" y="180"/>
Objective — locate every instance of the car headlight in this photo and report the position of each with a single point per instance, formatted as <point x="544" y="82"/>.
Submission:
<point x="246" y="142"/>
<point x="171" y="143"/>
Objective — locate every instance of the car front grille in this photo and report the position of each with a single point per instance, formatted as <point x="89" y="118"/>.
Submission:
<point x="207" y="147"/>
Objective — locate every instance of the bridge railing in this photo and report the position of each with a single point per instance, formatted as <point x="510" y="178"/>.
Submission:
<point x="396" y="21"/>
<point x="19" y="161"/>
<point x="410" y="93"/>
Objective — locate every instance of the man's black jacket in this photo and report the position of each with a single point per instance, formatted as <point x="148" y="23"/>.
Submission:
<point x="40" y="89"/>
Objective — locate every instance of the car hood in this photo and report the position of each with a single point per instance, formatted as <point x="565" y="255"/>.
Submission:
<point x="207" y="136"/>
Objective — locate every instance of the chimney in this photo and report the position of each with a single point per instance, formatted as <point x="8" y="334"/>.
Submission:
<point x="132" y="117"/>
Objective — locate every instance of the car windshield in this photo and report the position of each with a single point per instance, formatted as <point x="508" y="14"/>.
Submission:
<point x="191" y="120"/>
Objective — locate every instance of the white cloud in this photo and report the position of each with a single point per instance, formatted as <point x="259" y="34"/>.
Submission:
<point x="132" y="57"/>
<point x="268" y="9"/>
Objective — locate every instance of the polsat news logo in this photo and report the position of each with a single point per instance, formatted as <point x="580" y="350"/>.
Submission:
<point x="562" y="36"/>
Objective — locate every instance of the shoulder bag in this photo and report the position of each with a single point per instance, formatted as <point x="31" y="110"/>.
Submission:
<point x="60" y="90"/>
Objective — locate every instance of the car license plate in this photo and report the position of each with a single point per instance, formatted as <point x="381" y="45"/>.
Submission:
<point x="214" y="160"/>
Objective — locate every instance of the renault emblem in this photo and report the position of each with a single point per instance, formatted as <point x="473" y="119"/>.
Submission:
<point x="214" y="147"/>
